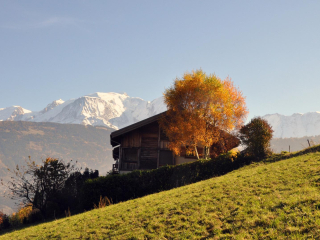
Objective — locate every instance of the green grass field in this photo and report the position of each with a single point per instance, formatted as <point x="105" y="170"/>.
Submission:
<point x="278" y="200"/>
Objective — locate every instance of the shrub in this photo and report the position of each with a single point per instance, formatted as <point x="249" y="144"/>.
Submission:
<point x="104" y="201"/>
<point x="14" y="220"/>
<point x="5" y="222"/>
<point x="24" y="213"/>
<point x="35" y="216"/>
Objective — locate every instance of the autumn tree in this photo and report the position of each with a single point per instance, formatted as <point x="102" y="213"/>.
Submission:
<point x="200" y="106"/>
<point x="256" y="136"/>
<point x="24" y="212"/>
<point x="40" y="185"/>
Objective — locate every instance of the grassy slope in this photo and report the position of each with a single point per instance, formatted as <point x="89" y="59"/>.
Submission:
<point x="279" y="200"/>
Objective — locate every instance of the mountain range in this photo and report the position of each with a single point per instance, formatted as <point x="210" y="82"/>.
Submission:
<point x="117" y="110"/>
<point x="111" y="109"/>
<point x="295" y="126"/>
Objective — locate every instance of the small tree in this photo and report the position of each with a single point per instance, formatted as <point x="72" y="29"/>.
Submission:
<point x="1" y="218"/>
<point x="256" y="136"/>
<point x="40" y="185"/>
<point x="199" y="107"/>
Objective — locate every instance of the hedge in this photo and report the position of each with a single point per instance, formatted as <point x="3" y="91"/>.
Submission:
<point x="123" y="187"/>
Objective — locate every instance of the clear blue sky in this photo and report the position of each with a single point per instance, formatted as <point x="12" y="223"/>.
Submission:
<point x="66" y="49"/>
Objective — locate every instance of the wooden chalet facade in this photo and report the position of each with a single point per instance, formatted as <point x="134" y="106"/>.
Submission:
<point x="144" y="146"/>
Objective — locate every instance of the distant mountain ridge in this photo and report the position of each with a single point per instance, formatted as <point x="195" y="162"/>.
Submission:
<point x="295" y="126"/>
<point x="116" y="110"/>
<point x="111" y="109"/>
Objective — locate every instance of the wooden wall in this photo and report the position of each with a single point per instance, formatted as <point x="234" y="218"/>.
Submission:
<point x="131" y="139"/>
<point x="147" y="148"/>
<point x="146" y="141"/>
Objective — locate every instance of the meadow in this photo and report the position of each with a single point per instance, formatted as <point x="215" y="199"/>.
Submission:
<point x="273" y="200"/>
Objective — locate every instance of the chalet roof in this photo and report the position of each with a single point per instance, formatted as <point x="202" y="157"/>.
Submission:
<point x="134" y="126"/>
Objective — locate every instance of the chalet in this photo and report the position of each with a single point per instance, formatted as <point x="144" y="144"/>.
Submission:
<point x="144" y="146"/>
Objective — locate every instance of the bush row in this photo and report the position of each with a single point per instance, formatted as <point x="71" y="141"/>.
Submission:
<point x="122" y="187"/>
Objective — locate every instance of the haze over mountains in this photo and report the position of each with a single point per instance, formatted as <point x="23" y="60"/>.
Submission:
<point x="117" y="110"/>
<point x="297" y="125"/>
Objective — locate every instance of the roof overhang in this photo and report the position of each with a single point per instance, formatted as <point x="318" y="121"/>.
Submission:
<point x="114" y="135"/>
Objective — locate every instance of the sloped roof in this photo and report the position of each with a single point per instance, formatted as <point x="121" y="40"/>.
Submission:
<point x="134" y="126"/>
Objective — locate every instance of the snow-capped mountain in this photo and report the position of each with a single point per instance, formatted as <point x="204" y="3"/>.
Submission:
<point x="117" y="110"/>
<point x="114" y="110"/>
<point x="297" y="125"/>
<point x="14" y="113"/>
<point x="52" y="105"/>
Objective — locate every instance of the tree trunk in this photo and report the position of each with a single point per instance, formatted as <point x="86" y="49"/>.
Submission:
<point x="195" y="148"/>
<point x="206" y="152"/>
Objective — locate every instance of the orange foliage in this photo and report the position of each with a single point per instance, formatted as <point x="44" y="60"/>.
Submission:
<point x="24" y="212"/>
<point x="199" y="107"/>
<point x="1" y="217"/>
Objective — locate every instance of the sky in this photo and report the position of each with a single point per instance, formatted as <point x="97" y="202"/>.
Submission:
<point x="53" y="50"/>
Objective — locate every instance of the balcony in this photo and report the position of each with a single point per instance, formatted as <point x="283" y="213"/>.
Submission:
<point x="129" y="166"/>
<point x="145" y="164"/>
<point x="115" y="168"/>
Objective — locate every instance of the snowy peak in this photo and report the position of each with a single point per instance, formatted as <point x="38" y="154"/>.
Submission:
<point x="297" y="125"/>
<point x="88" y="111"/>
<point x="109" y="96"/>
<point x="111" y="109"/>
<point x="14" y="113"/>
<point x="52" y="105"/>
